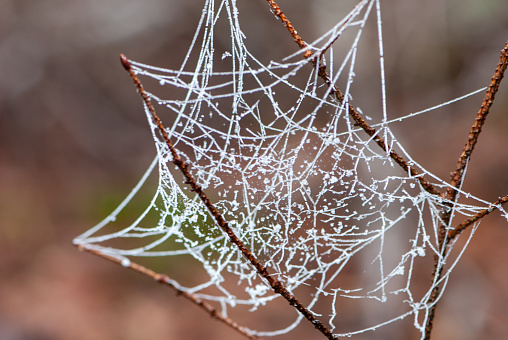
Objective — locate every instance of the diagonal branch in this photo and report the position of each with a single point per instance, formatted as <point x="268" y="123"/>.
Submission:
<point x="276" y="285"/>
<point x="166" y="280"/>
<point x="476" y="129"/>
<point x="339" y="96"/>
<point x="298" y="40"/>
<point x="461" y="227"/>
<point x="443" y="245"/>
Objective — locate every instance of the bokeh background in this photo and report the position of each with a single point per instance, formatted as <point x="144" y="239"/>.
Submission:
<point x="73" y="142"/>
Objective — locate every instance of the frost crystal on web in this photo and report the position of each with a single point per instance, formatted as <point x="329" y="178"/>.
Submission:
<point x="309" y="193"/>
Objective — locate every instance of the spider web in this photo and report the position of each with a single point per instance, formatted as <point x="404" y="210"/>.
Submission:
<point x="307" y="191"/>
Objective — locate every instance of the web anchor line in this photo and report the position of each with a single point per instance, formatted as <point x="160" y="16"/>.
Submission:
<point x="276" y="285"/>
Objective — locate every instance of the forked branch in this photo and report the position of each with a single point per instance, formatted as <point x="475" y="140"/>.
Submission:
<point x="276" y="285"/>
<point x="458" y="175"/>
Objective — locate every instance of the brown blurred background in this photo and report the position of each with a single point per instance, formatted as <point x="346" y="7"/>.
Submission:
<point x="73" y="142"/>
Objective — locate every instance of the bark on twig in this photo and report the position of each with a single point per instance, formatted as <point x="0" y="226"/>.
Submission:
<point x="339" y="96"/>
<point x="276" y="285"/>
<point x="166" y="280"/>
<point x="444" y="236"/>
<point x="461" y="227"/>
<point x="476" y="129"/>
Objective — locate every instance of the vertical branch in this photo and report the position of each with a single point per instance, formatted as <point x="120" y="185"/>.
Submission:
<point x="456" y="182"/>
<point x="476" y="129"/>
<point x="276" y="285"/>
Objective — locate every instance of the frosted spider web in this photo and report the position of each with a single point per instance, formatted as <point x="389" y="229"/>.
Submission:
<point x="309" y="193"/>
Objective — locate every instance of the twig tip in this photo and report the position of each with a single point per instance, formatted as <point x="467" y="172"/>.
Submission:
<point x="125" y="62"/>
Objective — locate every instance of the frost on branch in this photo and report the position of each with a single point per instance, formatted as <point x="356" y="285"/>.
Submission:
<point x="314" y="199"/>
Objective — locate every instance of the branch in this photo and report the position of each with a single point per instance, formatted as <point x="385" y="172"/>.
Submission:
<point x="438" y="269"/>
<point x="276" y="285"/>
<point x="166" y="280"/>
<point x="476" y="129"/>
<point x="461" y="227"/>
<point x="298" y="40"/>
<point x="457" y="176"/>
<point x="339" y="96"/>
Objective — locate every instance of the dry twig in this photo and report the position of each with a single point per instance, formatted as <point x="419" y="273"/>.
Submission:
<point x="457" y="178"/>
<point x="276" y="285"/>
<point x="166" y="280"/>
<point x="339" y="96"/>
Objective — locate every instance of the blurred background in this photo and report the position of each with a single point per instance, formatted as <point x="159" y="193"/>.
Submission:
<point x="74" y="141"/>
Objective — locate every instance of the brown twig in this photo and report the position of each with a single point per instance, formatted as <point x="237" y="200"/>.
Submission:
<point x="276" y="285"/>
<point x="445" y="237"/>
<point x="462" y="226"/>
<point x="476" y="129"/>
<point x="166" y="280"/>
<point x="458" y="175"/>
<point x="339" y="96"/>
<point x="296" y="37"/>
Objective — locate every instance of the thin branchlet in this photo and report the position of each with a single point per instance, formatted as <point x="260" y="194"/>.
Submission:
<point x="458" y="175"/>
<point x="465" y="224"/>
<point x="167" y="281"/>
